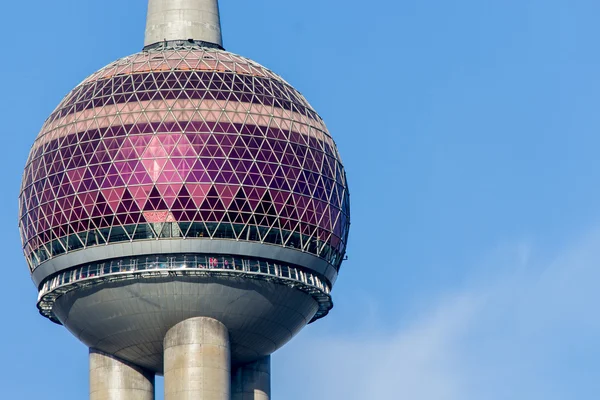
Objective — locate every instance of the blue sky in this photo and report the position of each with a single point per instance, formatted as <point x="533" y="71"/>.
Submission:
<point x="469" y="130"/>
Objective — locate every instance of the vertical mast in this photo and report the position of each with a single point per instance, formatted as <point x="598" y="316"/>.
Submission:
<point x="182" y="20"/>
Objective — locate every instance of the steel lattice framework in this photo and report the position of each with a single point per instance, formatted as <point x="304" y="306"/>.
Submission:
<point x="190" y="143"/>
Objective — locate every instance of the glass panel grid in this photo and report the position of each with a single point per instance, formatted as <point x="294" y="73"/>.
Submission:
<point x="194" y="144"/>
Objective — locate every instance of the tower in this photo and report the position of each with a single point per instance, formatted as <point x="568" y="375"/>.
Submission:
<point x="184" y="211"/>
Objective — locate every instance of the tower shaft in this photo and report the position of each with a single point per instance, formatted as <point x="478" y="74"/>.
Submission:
<point x="197" y="361"/>
<point x="114" y="379"/>
<point x="252" y="381"/>
<point x="170" y="20"/>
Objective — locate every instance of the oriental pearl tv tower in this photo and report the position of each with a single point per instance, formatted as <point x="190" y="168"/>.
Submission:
<point x="184" y="211"/>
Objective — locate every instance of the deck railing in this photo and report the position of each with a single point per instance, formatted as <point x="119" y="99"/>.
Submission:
<point x="182" y="263"/>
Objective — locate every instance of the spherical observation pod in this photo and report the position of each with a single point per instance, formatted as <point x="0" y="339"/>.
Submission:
<point x="184" y="181"/>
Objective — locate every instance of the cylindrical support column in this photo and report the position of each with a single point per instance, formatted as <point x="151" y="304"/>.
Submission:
<point x="197" y="361"/>
<point x="114" y="379"/>
<point x="252" y="381"/>
<point x="182" y="20"/>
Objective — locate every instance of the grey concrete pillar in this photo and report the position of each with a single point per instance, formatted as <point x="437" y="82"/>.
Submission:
<point x="114" y="379"/>
<point x="197" y="361"/>
<point x="183" y="20"/>
<point x="252" y="381"/>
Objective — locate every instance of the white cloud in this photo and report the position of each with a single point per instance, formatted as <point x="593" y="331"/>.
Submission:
<point x="530" y="332"/>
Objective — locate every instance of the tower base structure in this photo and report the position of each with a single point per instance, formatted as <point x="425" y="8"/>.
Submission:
<point x="197" y="366"/>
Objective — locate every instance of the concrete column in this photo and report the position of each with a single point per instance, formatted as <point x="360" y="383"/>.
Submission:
<point x="113" y="379"/>
<point x="252" y="381"/>
<point x="197" y="361"/>
<point x="183" y="20"/>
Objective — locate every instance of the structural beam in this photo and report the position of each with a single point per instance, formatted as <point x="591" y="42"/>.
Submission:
<point x="114" y="379"/>
<point x="197" y="361"/>
<point x="252" y="381"/>
<point x="170" y="20"/>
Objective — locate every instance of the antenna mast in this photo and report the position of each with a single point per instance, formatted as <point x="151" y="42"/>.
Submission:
<point x="178" y="20"/>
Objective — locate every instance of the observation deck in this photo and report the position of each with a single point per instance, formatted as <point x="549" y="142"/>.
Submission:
<point x="183" y="265"/>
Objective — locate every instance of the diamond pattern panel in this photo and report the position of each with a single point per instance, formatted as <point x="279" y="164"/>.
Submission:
<point x="194" y="143"/>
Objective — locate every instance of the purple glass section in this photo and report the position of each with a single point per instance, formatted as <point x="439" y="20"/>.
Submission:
<point x="211" y="85"/>
<point x="232" y="153"/>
